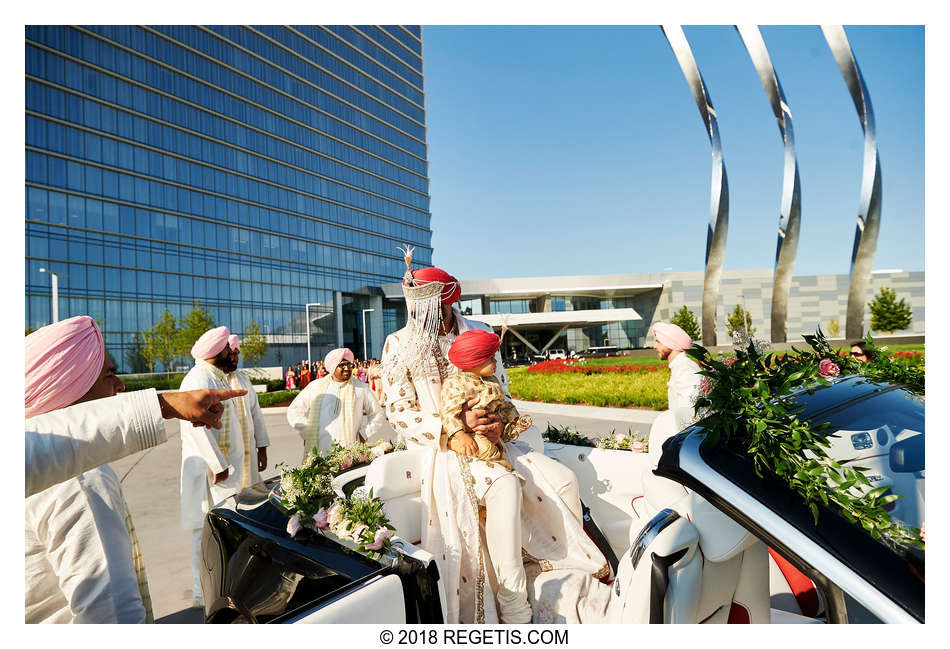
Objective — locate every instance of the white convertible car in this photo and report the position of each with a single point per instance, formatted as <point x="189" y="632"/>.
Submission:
<point x="701" y="539"/>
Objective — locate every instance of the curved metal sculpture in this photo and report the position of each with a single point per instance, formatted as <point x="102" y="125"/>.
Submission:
<point x="869" y="210"/>
<point x="790" y="219"/>
<point x="718" y="225"/>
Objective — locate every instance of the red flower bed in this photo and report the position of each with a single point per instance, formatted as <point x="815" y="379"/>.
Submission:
<point x="569" y="367"/>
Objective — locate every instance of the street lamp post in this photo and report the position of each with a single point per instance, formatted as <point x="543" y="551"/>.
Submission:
<point x="364" y="331"/>
<point x="55" y="278"/>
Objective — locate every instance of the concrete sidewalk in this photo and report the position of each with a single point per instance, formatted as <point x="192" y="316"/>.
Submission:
<point x="619" y="415"/>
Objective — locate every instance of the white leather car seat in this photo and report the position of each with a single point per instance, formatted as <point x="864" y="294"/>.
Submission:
<point x="396" y="480"/>
<point x="690" y="563"/>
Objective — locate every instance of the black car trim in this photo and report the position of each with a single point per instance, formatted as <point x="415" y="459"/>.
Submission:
<point x="896" y="580"/>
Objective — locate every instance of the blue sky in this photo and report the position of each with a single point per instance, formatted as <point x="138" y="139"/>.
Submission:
<point x="577" y="150"/>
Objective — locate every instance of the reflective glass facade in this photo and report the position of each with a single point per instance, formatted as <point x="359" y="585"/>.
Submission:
<point x="254" y="169"/>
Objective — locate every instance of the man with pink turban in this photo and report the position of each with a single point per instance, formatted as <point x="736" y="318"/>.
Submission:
<point x="337" y="408"/>
<point x="670" y="341"/>
<point x="216" y="464"/>
<point x="83" y="562"/>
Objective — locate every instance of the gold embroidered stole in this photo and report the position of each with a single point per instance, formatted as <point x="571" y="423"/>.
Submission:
<point x="242" y="411"/>
<point x="231" y="382"/>
<point x="314" y="424"/>
<point x="139" y="565"/>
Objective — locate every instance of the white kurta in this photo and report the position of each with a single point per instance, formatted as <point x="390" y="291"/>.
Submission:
<point x="200" y="450"/>
<point x="368" y="418"/>
<point x="66" y="442"/>
<point x="79" y="564"/>
<point x="453" y="486"/>
<point x="682" y="391"/>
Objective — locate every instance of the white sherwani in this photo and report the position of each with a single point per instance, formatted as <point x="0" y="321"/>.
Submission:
<point x="454" y="486"/>
<point x="79" y="557"/>
<point x="365" y="419"/>
<point x="682" y="391"/>
<point x="66" y="442"/>
<point x="200" y="449"/>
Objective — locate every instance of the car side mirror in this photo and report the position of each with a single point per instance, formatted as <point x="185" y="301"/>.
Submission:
<point x="907" y="456"/>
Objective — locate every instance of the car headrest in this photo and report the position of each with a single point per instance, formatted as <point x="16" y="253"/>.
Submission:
<point x="397" y="474"/>
<point x="720" y="537"/>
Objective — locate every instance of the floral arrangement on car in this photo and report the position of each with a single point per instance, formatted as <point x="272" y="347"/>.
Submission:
<point x="306" y="492"/>
<point x="635" y="442"/>
<point x="746" y="405"/>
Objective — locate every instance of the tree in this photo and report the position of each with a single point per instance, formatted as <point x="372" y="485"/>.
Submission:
<point x="739" y="320"/>
<point x="160" y="343"/>
<point x="686" y="320"/>
<point x="834" y="327"/>
<point x="253" y="344"/>
<point x="135" y="356"/>
<point x="888" y="314"/>
<point x="29" y="330"/>
<point x="196" y="322"/>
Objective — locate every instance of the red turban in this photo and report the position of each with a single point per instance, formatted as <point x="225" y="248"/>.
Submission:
<point x="452" y="290"/>
<point x="472" y="348"/>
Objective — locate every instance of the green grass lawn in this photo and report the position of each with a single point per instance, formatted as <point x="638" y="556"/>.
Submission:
<point x="646" y="390"/>
<point x="620" y="390"/>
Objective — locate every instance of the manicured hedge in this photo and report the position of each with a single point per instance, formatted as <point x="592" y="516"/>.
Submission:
<point x="270" y="398"/>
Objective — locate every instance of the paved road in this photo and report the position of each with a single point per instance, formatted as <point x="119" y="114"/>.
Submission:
<point x="151" y="484"/>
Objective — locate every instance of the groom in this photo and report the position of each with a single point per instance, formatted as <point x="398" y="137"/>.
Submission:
<point x="542" y="508"/>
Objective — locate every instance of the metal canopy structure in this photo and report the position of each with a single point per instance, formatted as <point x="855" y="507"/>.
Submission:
<point x="512" y="322"/>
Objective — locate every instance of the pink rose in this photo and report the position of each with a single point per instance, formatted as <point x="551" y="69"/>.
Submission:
<point x="706" y="385"/>
<point x="619" y="437"/>
<point x="379" y="451"/>
<point x="365" y="458"/>
<point x="321" y="519"/>
<point x="382" y="534"/>
<point x="827" y="368"/>
<point x="637" y="447"/>
<point x="347" y="462"/>
<point x="294" y="526"/>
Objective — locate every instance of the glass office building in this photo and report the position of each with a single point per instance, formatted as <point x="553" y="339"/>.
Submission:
<point x="255" y="170"/>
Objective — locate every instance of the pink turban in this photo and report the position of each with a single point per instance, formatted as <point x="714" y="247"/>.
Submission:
<point x="234" y="342"/>
<point x="335" y="357"/>
<point x="63" y="360"/>
<point x="672" y="336"/>
<point x="210" y="344"/>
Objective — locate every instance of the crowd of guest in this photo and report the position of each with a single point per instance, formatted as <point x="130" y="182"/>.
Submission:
<point x="300" y="375"/>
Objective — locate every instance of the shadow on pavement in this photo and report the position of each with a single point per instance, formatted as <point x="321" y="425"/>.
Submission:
<point x="190" y="615"/>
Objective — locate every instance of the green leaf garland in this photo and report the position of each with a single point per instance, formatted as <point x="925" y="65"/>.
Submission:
<point x="748" y="408"/>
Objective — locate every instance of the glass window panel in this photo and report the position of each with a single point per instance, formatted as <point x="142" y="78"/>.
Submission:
<point x="36" y="204"/>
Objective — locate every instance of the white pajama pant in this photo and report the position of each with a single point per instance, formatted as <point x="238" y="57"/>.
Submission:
<point x="503" y="538"/>
<point x="196" y="565"/>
